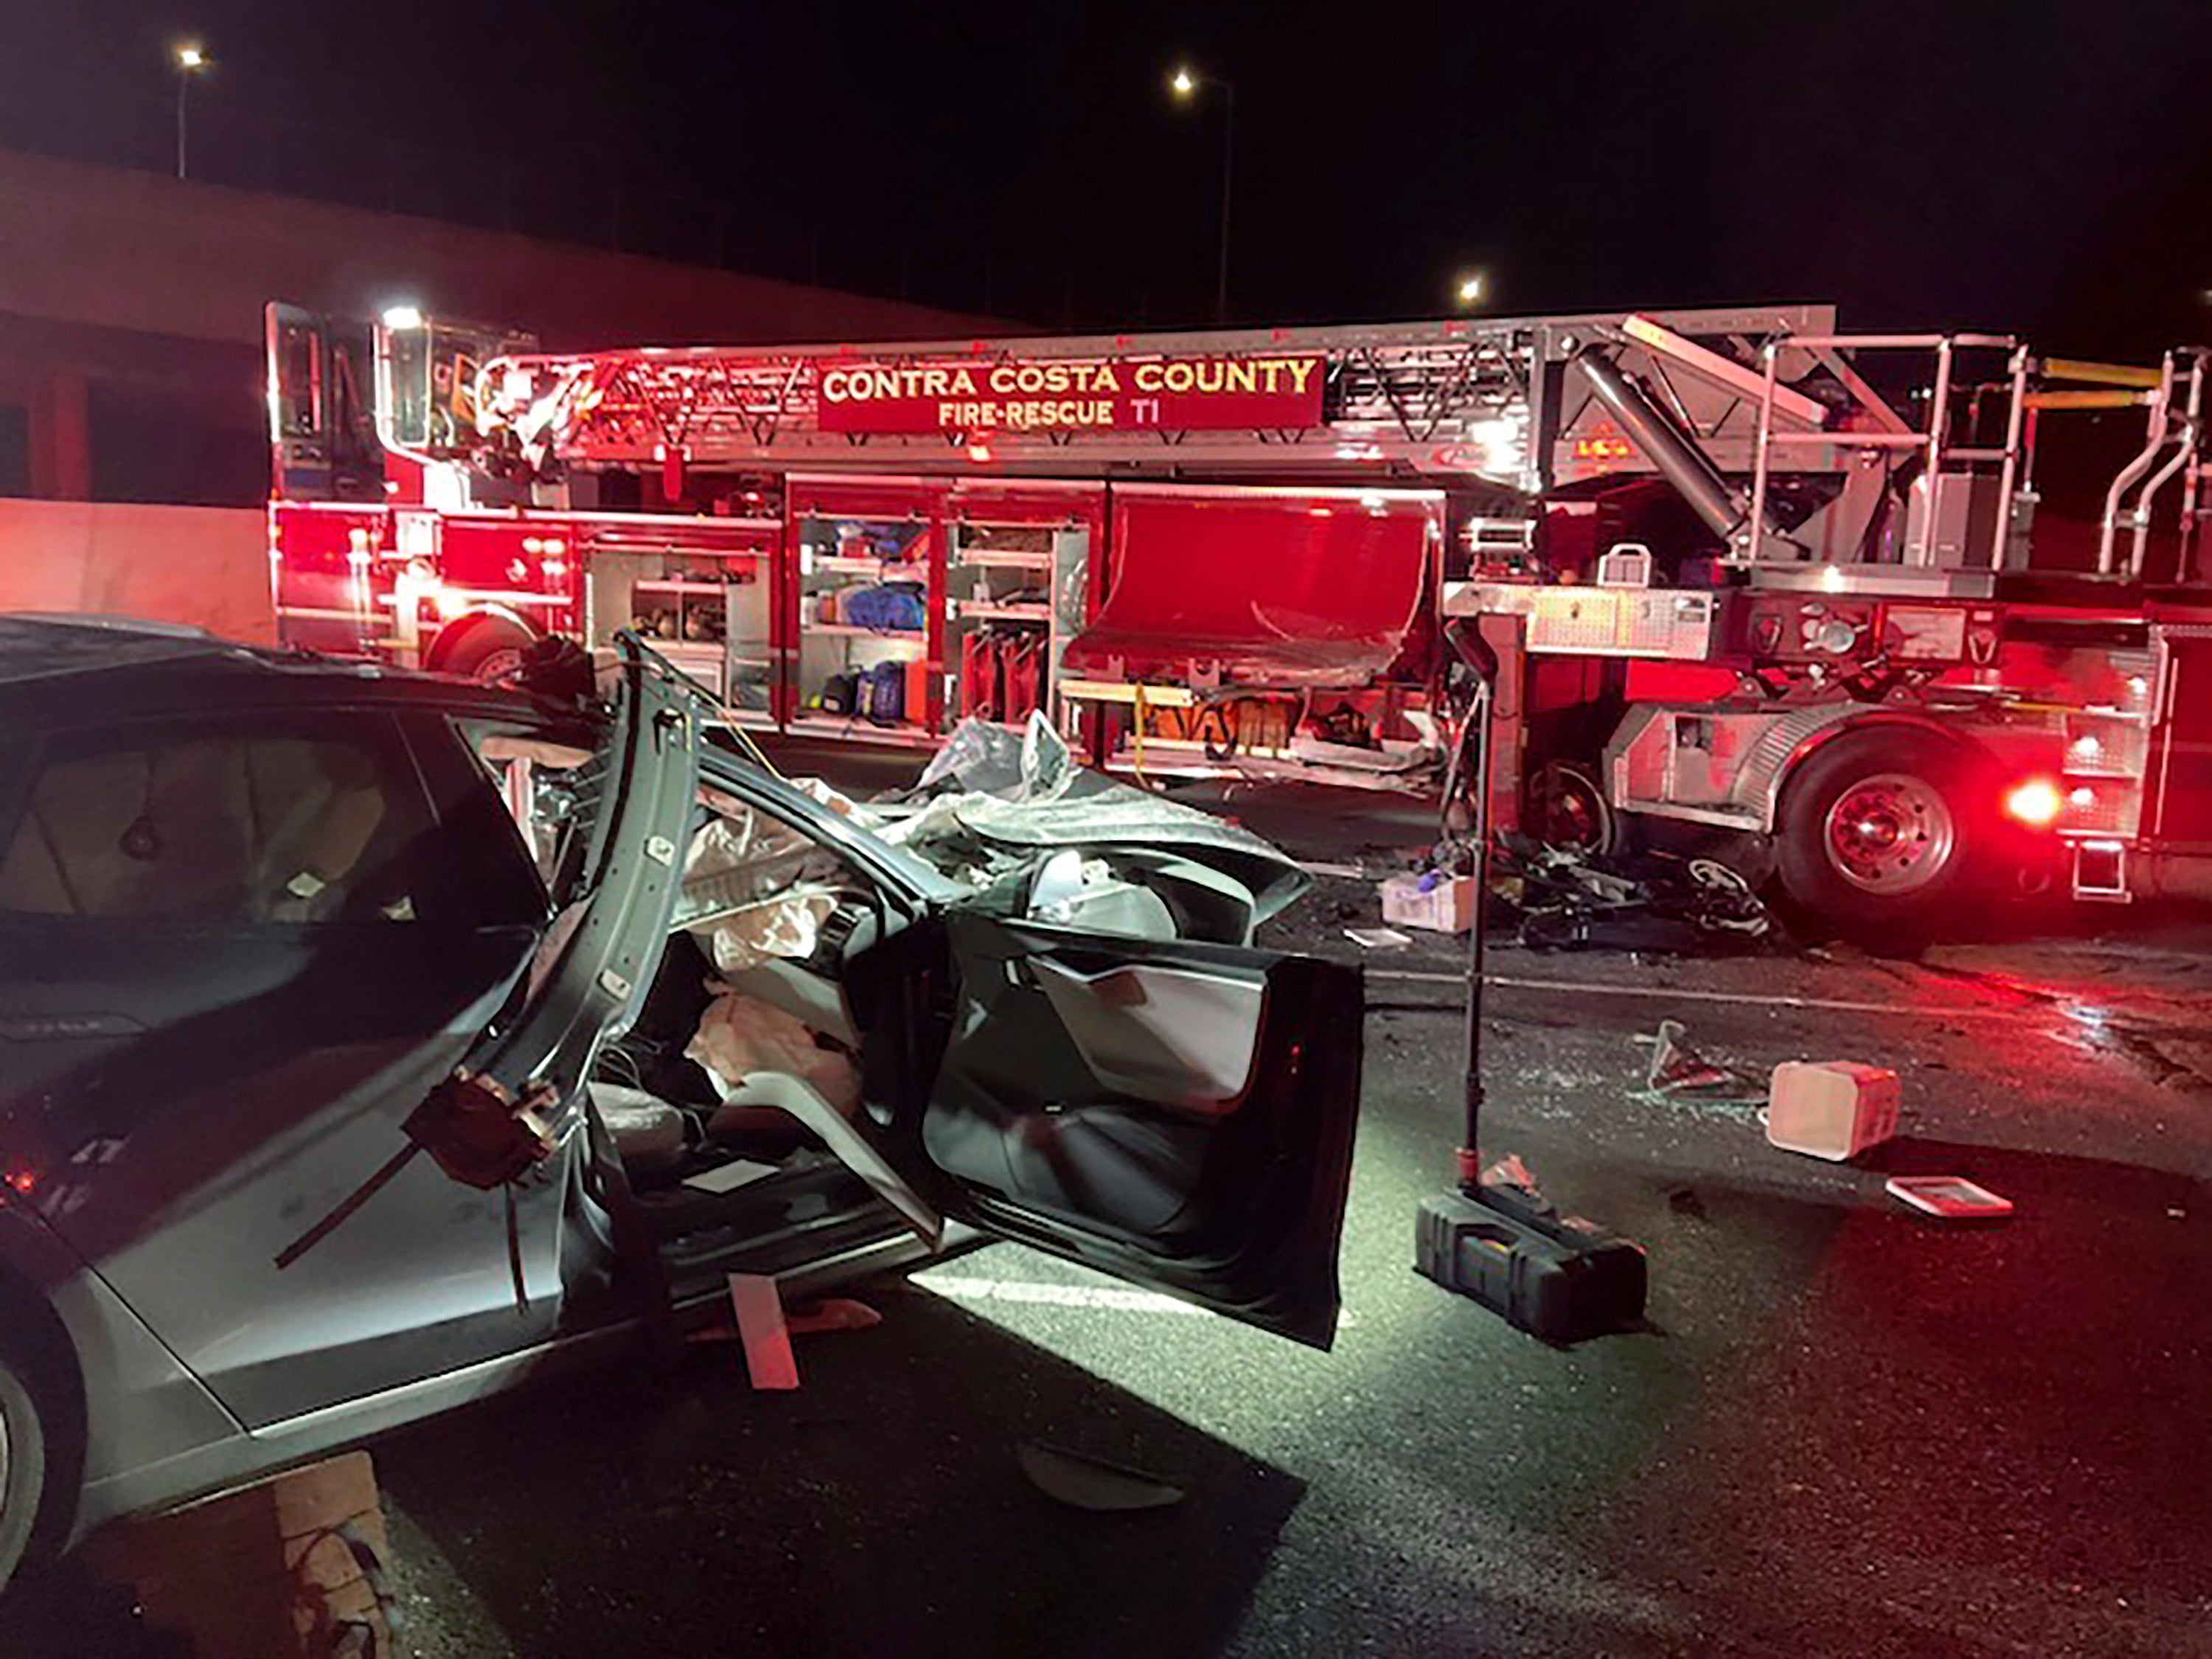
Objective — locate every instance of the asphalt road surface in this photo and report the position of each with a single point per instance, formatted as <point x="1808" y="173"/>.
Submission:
<point x="1849" y="1430"/>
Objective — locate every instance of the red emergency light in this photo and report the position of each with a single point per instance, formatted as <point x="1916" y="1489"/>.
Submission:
<point x="2036" y="802"/>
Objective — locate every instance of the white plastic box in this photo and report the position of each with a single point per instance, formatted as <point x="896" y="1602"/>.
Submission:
<point x="1447" y="908"/>
<point x="1830" y="1109"/>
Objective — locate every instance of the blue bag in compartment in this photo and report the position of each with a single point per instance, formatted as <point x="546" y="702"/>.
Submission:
<point x="889" y="607"/>
<point x="886" y="698"/>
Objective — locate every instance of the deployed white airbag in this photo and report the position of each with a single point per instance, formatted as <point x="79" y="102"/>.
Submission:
<point x="740" y="1038"/>
<point x="743" y="898"/>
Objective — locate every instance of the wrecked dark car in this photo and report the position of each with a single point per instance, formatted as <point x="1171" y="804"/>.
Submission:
<point x="371" y="1041"/>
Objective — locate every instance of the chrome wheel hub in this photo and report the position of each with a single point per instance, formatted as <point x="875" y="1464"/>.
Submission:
<point x="1890" y="834"/>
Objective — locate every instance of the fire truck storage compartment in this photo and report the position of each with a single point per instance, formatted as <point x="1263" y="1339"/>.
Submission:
<point x="1307" y="598"/>
<point x="867" y="580"/>
<point x="708" y="612"/>
<point x="1017" y="587"/>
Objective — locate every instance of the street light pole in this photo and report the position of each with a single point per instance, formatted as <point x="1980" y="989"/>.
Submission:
<point x="1185" y="84"/>
<point x="1228" y="162"/>
<point x="190" y="60"/>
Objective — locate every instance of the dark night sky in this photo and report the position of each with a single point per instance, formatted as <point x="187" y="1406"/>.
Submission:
<point x="2043" y="166"/>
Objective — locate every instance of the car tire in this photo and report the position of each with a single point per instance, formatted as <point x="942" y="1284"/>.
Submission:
<point x="482" y="649"/>
<point x="1567" y="808"/>
<point x="24" y="1463"/>
<point x="1875" y="836"/>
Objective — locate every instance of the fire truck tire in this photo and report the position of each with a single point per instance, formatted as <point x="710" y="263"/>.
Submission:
<point x="1873" y="836"/>
<point x="481" y="648"/>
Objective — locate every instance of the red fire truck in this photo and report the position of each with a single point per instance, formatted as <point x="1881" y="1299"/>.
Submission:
<point x="1747" y="584"/>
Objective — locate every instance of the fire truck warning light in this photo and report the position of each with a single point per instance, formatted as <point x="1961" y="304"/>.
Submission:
<point x="2035" y="802"/>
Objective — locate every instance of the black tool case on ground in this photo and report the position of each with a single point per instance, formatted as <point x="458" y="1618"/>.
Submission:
<point x="1546" y="1275"/>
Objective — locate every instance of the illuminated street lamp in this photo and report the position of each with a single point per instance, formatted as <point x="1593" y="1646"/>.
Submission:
<point x="1468" y="289"/>
<point x="192" y="59"/>
<point x="1185" y="84"/>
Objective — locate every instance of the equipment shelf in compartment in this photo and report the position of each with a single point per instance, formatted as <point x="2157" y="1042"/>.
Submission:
<point x="836" y="564"/>
<point x="902" y="733"/>
<point x="848" y="631"/>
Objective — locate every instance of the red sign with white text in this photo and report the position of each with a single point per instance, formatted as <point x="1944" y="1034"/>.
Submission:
<point x="1171" y="394"/>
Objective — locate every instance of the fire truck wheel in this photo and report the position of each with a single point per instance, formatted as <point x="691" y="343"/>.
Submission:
<point x="1873" y="834"/>
<point x="481" y="648"/>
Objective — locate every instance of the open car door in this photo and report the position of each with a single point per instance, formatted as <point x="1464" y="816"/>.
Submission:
<point x="1177" y="1115"/>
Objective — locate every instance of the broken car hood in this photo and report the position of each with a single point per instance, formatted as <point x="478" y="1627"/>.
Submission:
<point x="997" y="800"/>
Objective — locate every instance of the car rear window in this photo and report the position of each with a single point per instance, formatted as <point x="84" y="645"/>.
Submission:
<point x="266" y="824"/>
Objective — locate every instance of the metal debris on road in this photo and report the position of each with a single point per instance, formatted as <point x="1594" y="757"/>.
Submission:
<point x="1676" y="1065"/>
<point x="1377" y="939"/>
<point x="1570" y="899"/>
<point x="758" y="1307"/>
<point x="1951" y="1198"/>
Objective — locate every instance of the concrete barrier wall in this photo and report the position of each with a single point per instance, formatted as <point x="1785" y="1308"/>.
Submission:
<point x="208" y="566"/>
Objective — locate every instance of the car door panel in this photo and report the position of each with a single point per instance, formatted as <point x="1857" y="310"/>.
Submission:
<point x="1074" y="1092"/>
<point x="1171" y="1035"/>
<point x="261" y="1077"/>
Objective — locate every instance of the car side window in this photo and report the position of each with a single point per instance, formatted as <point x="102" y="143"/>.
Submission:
<point x="249" y="823"/>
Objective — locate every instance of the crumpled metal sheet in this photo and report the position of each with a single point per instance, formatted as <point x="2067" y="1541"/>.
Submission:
<point x="1049" y="803"/>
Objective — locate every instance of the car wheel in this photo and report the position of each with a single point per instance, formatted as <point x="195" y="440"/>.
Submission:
<point x="1566" y="808"/>
<point x="486" y="649"/>
<point x="1874" y="835"/>
<point x="23" y="1464"/>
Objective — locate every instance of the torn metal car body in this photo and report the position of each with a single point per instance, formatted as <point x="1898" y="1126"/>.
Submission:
<point x="271" y="926"/>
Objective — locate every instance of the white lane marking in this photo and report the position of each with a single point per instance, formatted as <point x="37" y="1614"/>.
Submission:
<point x="1681" y="993"/>
<point x="1113" y="1297"/>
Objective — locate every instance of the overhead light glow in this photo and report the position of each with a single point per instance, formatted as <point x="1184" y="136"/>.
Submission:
<point x="402" y="317"/>
<point x="1832" y="580"/>
<point x="2036" y="802"/>
<point x="191" y="57"/>
<point x="1184" y="83"/>
<point x="1470" y="288"/>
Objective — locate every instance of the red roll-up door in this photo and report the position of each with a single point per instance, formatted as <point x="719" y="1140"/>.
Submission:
<point x="1268" y="587"/>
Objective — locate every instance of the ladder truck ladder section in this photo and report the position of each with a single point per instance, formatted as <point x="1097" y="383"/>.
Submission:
<point x="1466" y="398"/>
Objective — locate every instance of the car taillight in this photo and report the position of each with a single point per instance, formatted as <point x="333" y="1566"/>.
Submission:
<point x="2035" y="802"/>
